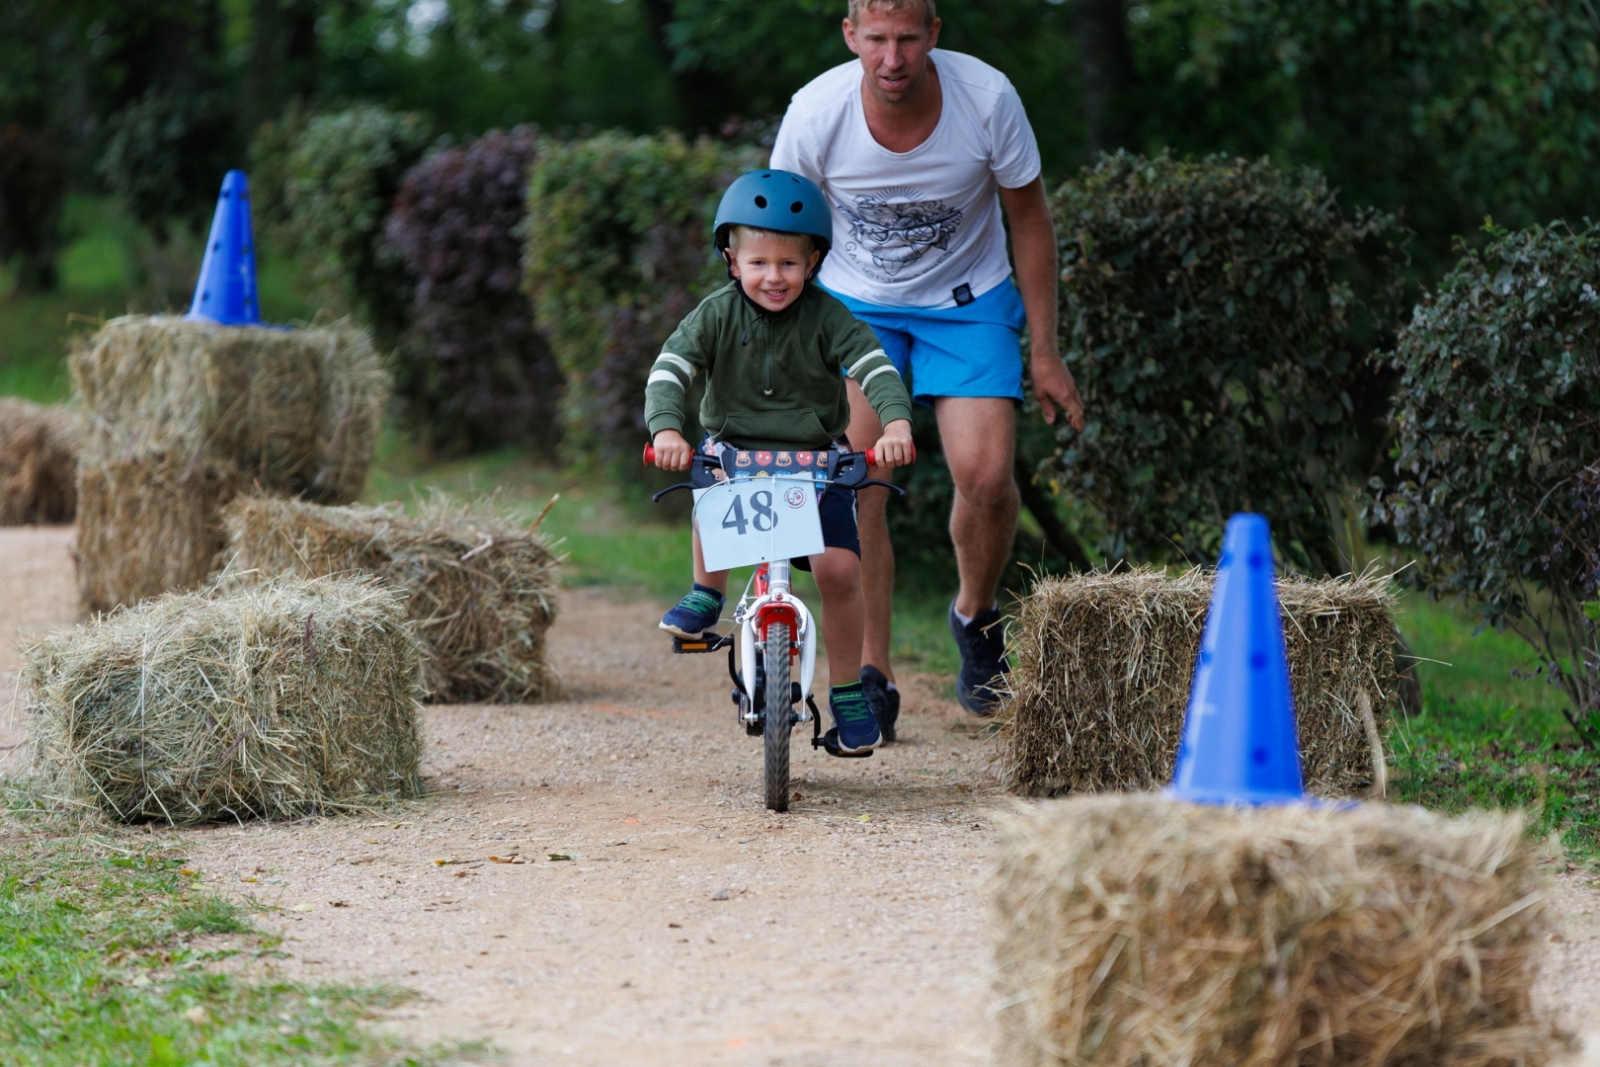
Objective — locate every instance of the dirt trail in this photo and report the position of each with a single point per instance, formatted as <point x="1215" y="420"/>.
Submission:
<point x="689" y="926"/>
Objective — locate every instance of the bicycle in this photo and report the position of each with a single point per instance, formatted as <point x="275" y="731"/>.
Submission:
<point x="773" y="625"/>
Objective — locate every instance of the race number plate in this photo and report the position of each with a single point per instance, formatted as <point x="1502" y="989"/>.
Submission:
<point x="756" y="520"/>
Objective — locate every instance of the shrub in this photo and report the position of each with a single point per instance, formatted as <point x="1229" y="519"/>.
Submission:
<point x="343" y="173"/>
<point x="618" y="251"/>
<point x="472" y="369"/>
<point x="1211" y="315"/>
<point x="166" y="157"/>
<point x="1496" y="422"/>
<point x="33" y="189"/>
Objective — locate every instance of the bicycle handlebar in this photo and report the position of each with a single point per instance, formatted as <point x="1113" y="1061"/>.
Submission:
<point x="871" y="454"/>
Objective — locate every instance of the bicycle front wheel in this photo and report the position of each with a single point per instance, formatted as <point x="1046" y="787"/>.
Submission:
<point x="775" y="654"/>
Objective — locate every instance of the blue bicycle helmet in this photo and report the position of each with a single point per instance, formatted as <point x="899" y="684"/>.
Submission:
<point x="774" y="200"/>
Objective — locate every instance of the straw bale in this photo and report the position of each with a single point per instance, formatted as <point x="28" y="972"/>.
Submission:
<point x="1131" y="931"/>
<point x="480" y="590"/>
<point x="291" y="698"/>
<point x="184" y="414"/>
<point x="293" y="410"/>
<point x="1104" y="663"/>
<point x="38" y="462"/>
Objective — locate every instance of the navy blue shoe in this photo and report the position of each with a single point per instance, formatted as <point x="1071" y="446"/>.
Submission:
<point x="853" y="719"/>
<point x="695" y="613"/>
<point x="885" y="701"/>
<point x="982" y="642"/>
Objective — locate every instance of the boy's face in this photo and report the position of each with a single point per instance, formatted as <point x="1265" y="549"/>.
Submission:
<point x="772" y="269"/>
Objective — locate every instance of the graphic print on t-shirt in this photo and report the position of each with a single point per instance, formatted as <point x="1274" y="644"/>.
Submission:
<point x="896" y="228"/>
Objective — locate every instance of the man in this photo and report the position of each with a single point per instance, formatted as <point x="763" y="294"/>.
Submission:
<point x="917" y="150"/>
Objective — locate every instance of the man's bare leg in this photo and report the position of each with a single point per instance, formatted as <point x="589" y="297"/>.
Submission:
<point x="979" y="437"/>
<point x="877" y="554"/>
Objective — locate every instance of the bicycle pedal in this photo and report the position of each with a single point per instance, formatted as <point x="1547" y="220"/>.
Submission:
<point x="706" y="642"/>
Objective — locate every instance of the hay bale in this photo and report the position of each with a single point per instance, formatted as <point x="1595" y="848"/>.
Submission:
<point x="1104" y="663"/>
<point x="184" y="414"/>
<point x="1132" y="931"/>
<point x="38" y="462"/>
<point x="291" y="698"/>
<point x="480" y="590"/>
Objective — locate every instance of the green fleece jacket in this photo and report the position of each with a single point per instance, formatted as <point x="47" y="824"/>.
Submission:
<point x="772" y="381"/>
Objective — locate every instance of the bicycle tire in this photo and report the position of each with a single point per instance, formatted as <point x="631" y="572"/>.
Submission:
<point x="775" y="746"/>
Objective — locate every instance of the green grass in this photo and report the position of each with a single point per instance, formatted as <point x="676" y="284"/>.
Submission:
<point x="113" y="952"/>
<point x="1487" y="738"/>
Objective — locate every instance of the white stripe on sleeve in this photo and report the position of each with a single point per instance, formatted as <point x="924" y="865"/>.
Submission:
<point x="663" y="376"/>
<point x="678" y="361"/>
<point x="864" y="360"/>
<point x="881" y="370"/>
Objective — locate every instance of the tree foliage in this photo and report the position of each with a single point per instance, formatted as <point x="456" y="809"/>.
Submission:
<point x="618" y="252"/>
<point x="1447" y="109"/>
<point x="472" y="370"/>
<point x="1497" y="435"/>
<point x="167" y="155"/>
<point x="341" y="177"/>
<point x="1209" y="315"/>
<point x="33" y="188"/>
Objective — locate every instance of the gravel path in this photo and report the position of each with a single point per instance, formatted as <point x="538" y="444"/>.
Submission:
<point x="685" y="925"/>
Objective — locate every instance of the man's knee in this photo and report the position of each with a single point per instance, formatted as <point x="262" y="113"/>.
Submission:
<point x="986" y="485"/>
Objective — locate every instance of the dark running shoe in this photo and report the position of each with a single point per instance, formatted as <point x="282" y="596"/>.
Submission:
<point x="885" y="701"/>
<point x="983" y="661"/>
<point x="695" y="613"/>
<point x="853" y="718"/>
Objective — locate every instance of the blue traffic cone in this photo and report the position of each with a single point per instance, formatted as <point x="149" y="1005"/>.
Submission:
<point x="1239" y="744"/>
<point x="226" y="291"/>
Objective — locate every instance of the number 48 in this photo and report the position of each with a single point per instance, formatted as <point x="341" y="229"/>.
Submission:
<point x="763" y="517"/>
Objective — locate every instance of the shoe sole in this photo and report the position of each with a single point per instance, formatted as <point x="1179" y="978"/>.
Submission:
<point x="676" y="632"/>
<point x="863" y="748"/>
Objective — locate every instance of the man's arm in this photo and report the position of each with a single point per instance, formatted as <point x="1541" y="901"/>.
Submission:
<point x="1033" y="243"/>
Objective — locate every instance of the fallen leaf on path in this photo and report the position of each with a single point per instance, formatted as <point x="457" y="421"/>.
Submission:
<point x="556" y="857"/>
<point x="189" y="872"/>
<point x="304" y="907"/>
<point x="359" y="860"/>
<point x="250" y="878"/>
<point x="451" y="863"/>
<point x="513" y="858"/>
<point x="463" y="874"/>
<point x="863" y="818"/>
<point x="674" y="926"/>
<point x="338" y="904"/>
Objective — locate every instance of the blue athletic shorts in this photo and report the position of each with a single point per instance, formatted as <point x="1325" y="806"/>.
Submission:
<point x="972" y="349"/>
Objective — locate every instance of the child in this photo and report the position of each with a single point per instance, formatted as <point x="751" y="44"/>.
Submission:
<point x="772" y="347"/>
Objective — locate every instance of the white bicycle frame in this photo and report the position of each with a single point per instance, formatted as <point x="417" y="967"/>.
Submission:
<point x="746" y="616"/>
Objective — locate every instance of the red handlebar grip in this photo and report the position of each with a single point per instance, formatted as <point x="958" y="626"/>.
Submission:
<point x="649" y="455"/>
<point x="872" y="456"/>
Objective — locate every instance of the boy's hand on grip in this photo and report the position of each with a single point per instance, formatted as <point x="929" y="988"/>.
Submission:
<point x="673" y="452"/>
<point x="894" y="448"/>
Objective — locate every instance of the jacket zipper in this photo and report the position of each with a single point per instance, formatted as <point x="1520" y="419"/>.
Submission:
<point x="766" y="359"/>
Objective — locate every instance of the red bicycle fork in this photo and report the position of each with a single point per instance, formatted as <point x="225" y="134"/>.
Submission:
<point x="776" y="611"/>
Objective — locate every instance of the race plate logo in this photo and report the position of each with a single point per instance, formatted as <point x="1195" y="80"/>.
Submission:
<point x="742" y="460"/>
<point x="785" y="459"/>
<point x="763" y="459"/>
<point x="803" y="458"/>
<point x="795" y="497"/>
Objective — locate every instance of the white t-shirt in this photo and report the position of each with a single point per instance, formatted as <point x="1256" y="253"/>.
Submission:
<point x="911" y="228"/>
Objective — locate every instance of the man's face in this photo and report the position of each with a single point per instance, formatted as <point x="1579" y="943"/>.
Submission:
<point x="772" y="269"/>
<point x="893" y="46"/>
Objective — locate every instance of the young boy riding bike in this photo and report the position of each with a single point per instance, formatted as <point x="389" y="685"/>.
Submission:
<point x="772" y="347"/>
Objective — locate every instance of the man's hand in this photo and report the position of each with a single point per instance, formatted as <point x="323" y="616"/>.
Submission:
<point x="1053" y="387"/>
<point x="894" y="448"/>
<point x="673" y="453"/>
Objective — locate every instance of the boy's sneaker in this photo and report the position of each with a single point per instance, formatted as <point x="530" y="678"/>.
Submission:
<point x="982" y="643"/>
<point x="695" y="613"/>
<point x="853" y="719"/>
<point x="885" y="701"/>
